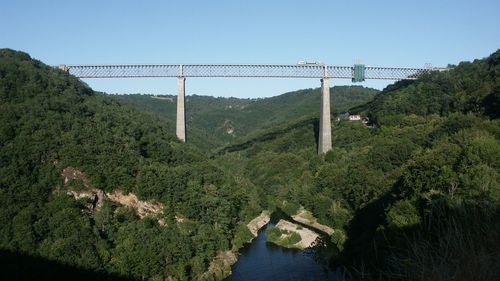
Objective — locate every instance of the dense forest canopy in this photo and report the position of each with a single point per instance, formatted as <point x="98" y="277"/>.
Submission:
<point x="49" y="120"/>
<point x="414" y="195"/>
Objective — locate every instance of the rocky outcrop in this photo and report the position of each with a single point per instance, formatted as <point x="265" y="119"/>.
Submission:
<point x="142" y="208"/>
<point x="308" y="237"/>
<point x="96" y="197"/>
<point x="229" y="127"/>
<point x="220" y="266"/>
<point x="257" y="223"/>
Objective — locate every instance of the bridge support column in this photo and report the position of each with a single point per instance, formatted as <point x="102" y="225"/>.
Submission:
<point x="181" y="111"/>
<point x="325" y="128"/>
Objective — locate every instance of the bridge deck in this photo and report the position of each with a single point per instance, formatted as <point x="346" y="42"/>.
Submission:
<point x="243" y="70"/>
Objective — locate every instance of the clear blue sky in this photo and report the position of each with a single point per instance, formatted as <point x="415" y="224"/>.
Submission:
<point x="387" y="33"/>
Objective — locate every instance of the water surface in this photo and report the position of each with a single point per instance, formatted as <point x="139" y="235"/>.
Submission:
<point x="265" y="261"/>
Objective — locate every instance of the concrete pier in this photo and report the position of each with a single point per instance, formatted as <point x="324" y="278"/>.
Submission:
<point x="325" y="128"/>
<point x="181" y="111"/>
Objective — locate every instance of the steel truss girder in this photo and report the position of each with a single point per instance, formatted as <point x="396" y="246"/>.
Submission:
<point x="242" y="70"/>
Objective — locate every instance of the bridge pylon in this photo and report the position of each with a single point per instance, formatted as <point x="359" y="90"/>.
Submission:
<point x="180" y="128"/>
<point x="325" y="127"/>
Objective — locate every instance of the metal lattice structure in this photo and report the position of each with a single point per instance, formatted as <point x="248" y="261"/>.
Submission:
<point x="243" y="70"/>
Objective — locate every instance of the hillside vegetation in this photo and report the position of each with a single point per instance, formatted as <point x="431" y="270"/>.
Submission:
<point x="215" y="122"/>
<point x="470" y="87"/>
<point x="50" y="120"/>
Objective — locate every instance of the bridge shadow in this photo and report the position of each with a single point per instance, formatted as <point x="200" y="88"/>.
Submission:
<point x="271" y="135"/>
<point x="459" y="240"/>
<point x="361" y="245"/>
<point x="15" y="266"/>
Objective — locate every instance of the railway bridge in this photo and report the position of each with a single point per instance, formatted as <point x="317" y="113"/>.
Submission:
<point x="323" y="72"/>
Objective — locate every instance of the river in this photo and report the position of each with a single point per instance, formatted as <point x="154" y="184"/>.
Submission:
<point x="262" y="260"/>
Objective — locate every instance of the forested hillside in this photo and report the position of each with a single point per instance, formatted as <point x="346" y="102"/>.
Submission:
<point x="470" y="87"/>
<point x="215" y="122"/>
<point x="413" y="196"/>
<point x="50" y="121"/>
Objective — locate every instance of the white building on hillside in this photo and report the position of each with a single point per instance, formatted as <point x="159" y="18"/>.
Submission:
<point x="354" y="117"/>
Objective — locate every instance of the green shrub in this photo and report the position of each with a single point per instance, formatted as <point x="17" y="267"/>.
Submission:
<point x="242" y="236"/>
<point x="273" y="234"/>
<point x="339" y="215"/>
<point x="294" y="238"/>
<point x="290" y="208"/>
<point x="338" y="238"/>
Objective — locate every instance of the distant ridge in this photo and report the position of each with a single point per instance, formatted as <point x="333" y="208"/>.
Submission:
<point x="223" y="121"/>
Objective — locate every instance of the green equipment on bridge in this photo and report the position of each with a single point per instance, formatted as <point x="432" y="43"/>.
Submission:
<point x="358" y="73"/>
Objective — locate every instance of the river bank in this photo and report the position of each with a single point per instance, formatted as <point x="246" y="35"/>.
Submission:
<point x="305" y="217"/>
<point x="263" y="261"/>
<point x="220" y="266"/>
<point x="257" y="223"/>
<point x="291" y="235"/>
<point x="314" y="239"/>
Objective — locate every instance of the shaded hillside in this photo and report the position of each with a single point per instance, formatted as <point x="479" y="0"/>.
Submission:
<point x="307" y="130"/>
<point x="50" y="121"/>
<point x="230" y="119"/>
<point x="17" y="266"/>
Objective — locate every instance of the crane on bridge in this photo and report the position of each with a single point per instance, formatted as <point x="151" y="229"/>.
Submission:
<point x="357" y="72"/>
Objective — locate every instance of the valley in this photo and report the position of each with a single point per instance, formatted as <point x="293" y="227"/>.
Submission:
<point x="214" y="123"/>
<point x="100" y="182"/>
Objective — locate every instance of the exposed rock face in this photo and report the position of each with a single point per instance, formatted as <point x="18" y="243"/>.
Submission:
<point x="220" y="265"/>
<point x="229" y="127"/>
<point x="142" y="208"/>
<point x="71" y="173"/>
<point x="307" y="236"/>
<point x="179" y="218"/>
<point x="97" y="196"/>
<point x="257" y="223"/>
